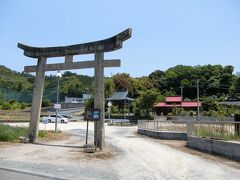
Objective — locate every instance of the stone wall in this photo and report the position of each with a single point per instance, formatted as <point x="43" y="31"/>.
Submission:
<point x="218" y="147"/>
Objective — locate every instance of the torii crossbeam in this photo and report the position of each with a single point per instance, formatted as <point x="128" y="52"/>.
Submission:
<point x="98" y="48"/>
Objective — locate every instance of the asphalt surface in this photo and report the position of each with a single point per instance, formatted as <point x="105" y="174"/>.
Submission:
<point x="6" y="174"/>
<point x="137" y="157"/>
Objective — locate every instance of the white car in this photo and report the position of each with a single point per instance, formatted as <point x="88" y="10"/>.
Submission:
<point x="60" y="118"/>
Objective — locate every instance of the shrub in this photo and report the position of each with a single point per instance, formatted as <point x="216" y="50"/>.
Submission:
<point x="24" y="105"/>
<point x="89" y="103"/>
<point x="46" y="103"/>
<point x="114" y="109"/>
<point x="13" y="101"/>
<point x="15" y="105"/>
<point x="169" y="116"/>
<point x="6" y="106"/>
<point x="191" y="113"/>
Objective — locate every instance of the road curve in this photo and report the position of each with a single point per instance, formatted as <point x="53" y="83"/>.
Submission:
<point x="142" y="158"/>
<point x="137" y="158"/>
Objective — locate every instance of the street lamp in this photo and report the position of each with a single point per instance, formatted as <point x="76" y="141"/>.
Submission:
<point x="57" y="105"/>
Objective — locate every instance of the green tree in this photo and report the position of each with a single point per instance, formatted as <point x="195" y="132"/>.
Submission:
<point x="71" y="86"/>
<point x="147" y="100"/>
<point x="109" y="87"/>
<point x="123" y="82"/>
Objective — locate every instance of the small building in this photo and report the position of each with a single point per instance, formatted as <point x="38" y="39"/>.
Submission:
<point x="120" y="98"/>
<point x="81" y="99"/>
<point x="231" y="100"/>
<point x="73" y="100"/>
<point x="173" y="102"/>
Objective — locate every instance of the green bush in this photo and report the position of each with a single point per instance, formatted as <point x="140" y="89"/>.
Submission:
<point x="5" y="106"/>
<point x="114" y="109"/>
<point x="89" y="103"/>
<point x="24" y="105"/>
<point x="15" y="105"/>
<point x="169" y="116"/>
<point x="13" y="101"/>
<point x="191" y="113"/>
<point x="46" y="103"/>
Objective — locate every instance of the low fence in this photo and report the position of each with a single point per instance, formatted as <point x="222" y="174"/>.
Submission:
<point x="201" y="118"/>
<point x="163" y="126"/>
<point x="227" y="130"/>
<point x="218" y="130"/>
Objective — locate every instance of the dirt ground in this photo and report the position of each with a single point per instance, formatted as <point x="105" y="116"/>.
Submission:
<point x="182" y="146"/>
<point x="127" y="156"/>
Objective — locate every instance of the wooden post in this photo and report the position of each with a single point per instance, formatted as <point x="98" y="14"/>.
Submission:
<point x="37" y="100"/>
<point x="99" y="131"/>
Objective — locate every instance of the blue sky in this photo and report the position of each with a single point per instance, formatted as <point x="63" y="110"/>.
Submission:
<point x="165" y="32"/>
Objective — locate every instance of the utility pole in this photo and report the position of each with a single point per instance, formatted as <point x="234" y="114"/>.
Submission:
<point x="182" y="92"/>
<point x="198" y="99"/>
<point x="59" y="75"/>
<point x="181" y="99"/>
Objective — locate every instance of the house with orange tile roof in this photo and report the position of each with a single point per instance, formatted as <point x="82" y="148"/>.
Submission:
<point x="173" y="102"/>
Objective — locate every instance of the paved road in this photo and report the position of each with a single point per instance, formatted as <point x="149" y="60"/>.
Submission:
<point x="137" y="158"/>
<point x="6" y="174"/>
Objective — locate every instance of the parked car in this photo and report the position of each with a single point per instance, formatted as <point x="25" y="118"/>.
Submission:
<point x="60" y="118"/>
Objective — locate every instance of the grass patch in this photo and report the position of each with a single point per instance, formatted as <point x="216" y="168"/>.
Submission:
<point x="216" y="133"/>
<point x="49" y="134"/>
<point x="12" y="133"/>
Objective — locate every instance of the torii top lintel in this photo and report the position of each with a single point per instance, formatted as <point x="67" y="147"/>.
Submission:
<point x="106" y="45"/>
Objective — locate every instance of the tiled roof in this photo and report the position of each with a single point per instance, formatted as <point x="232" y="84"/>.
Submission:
<point x="120" y="95"/>
<point x="173" y="99"/>
<point x="190" y="104"/>
<point x="178" y="104"/>
<point x="230" y="103"/>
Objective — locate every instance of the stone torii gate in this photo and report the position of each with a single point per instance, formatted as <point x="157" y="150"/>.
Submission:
<point x="98" y="48"/>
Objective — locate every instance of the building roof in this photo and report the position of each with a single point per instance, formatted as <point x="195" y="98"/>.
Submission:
<point x="173" y="99"/>
<point x="183" y="104"/>
<point x="231" y="100"/>
<point x="120" y="95"/>
<point x="162" y="104"/>
<point x="190" y="104"/>
<point x="176" y="101"/>
<point x="230" y="103"/>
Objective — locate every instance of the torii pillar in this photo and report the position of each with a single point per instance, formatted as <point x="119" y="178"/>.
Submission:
<point x="98" y="48"/>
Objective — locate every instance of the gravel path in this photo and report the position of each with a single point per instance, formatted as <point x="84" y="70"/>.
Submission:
<point x="132" y="157"/>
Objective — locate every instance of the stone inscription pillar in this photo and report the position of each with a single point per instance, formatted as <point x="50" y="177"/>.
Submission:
<point x="99" y="100"/>
<point x="37" y="100"/>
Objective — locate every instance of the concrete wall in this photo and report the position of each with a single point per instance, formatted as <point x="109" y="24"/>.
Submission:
<point x="218" y="147"/>
<point x="164" y="135"/>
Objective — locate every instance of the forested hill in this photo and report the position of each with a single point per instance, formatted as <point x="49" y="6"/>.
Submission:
<point x="19" y="86"/>
<point x="214" y="81"/>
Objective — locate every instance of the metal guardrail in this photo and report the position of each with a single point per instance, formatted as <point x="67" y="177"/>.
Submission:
<point x="227" y="130"/>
